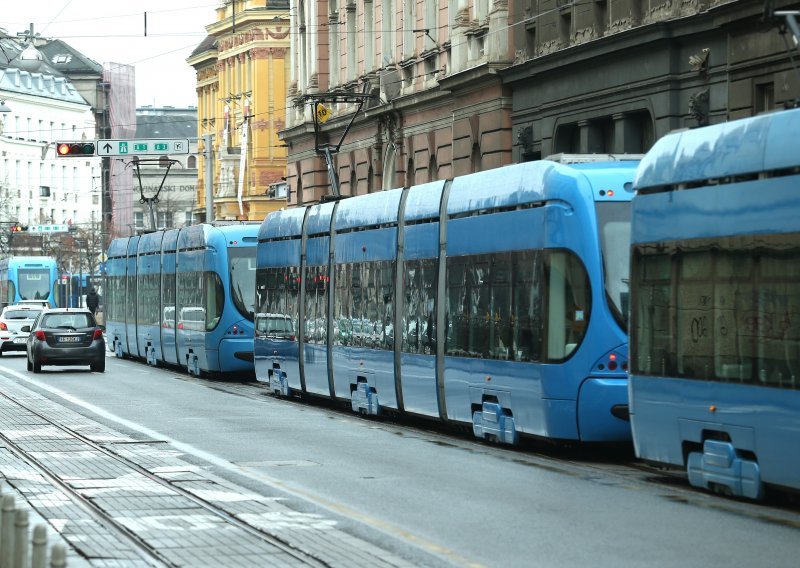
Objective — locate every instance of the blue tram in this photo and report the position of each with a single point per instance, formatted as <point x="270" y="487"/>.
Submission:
<point x="715" y="339"/>
<point x="27" y="278"/>
<point x="184" y="297"/>
<point x="496" y="300"/>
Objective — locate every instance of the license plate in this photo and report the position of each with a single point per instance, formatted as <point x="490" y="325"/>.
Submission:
<point x="69" y="339"/>
<point x="20" y="339"/>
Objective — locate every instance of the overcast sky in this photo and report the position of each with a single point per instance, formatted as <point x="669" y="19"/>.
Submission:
<point x="113" y="31"/>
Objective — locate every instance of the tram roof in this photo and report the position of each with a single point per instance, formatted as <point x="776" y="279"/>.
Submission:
<point x="500" y="187"/>
<point x="283" y="223"/>
<point x="424" y="201"/>
<point x="319" y="218"/>
<point x="736" y="148"/>
<point x="372" y="209"/>
<point x="150" y="242"/>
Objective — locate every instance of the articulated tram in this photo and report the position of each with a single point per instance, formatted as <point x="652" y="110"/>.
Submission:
<point x="184" y="297"/>
<point x="497" y="300"/>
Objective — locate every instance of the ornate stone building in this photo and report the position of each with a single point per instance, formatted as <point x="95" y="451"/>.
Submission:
<point x="616" y="76"/>
<point x="439" y="107"/>
<point x="241" y="88"/>
<point x="468" y="85"/>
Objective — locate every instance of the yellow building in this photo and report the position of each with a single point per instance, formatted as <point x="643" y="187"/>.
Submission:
<point x="242" y="68"/>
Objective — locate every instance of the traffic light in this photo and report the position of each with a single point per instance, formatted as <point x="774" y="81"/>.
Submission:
<point x="19" y="228"/>
<point x="74" y="149"/>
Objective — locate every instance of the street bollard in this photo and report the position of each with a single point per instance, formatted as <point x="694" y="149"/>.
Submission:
<point x="39" y="547"/>
<point x="7" y="532"/>
<point x="58" y="556"/>
<point x="21" y="539"/>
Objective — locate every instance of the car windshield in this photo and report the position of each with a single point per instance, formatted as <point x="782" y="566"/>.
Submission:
<point x="20" y="314"/>
<point x="73" y="321"/>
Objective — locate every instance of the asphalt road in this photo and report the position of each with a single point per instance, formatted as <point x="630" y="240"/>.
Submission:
<point x="423" y="492"/>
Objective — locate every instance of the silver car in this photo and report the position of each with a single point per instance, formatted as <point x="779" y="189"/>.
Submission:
<point x="12" y="319"/>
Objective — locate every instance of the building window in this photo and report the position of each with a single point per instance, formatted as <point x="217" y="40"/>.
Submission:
<point x="191" y="163"/>
<point x="764" y="98"/>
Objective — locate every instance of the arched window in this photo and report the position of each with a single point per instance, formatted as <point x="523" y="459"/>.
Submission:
<point x="191" y="163"/>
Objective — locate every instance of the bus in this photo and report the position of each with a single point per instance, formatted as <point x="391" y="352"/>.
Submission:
<point x="715" y="292"/>
<point x="184" y="297"/>
<point x="495" y="300"/>
<point x="27" y="278"/>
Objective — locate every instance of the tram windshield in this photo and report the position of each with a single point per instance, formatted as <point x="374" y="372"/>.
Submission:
<point x="614" y="222"/>
<point x="34" y="284"/>
<point x="242" y="264"/>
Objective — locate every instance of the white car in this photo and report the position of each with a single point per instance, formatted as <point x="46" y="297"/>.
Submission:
<point x="34" y="303"/>
<point x="12" y="319"/>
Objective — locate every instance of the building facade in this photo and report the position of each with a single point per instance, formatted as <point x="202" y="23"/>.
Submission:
<point x="241" y="88"/>
<point x="170" y="179"/>
<point x="438" y="107"/>
<point x="614" y="77"/>
<point x="465" y="85"/>
<point x="37" y="187"/>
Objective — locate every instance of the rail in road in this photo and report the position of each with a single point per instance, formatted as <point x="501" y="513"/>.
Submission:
<point x="137" y="503"/>
<point x="154" y="500"/>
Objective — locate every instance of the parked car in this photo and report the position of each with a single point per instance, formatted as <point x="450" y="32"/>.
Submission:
<point x="66" y="336"/>
<point x="12" y="319"/>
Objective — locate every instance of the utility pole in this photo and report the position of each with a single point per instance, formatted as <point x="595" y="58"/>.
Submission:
<point x="208" y="154"/>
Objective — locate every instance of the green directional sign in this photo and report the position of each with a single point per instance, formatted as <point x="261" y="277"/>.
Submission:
<point x="148" y="147"/>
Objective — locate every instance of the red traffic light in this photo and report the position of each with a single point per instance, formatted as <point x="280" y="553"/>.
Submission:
<point x="19" y="228"/>
<point x="72" y="149"/>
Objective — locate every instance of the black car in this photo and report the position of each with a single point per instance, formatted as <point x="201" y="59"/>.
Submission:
<point x="66" y="336"/>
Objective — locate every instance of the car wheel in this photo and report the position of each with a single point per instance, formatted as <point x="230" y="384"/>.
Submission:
<point x="37" y="367"/>
<point x="98" y="367"/>
<point x="29" y="364"/>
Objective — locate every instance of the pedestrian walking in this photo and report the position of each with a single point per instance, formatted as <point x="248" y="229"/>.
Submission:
<point x="92" y="300"/>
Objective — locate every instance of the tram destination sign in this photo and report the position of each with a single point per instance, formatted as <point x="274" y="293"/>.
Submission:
<point x="145" y="147"/>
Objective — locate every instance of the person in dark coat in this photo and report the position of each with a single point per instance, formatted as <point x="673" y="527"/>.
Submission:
<point x="92" y="300"/>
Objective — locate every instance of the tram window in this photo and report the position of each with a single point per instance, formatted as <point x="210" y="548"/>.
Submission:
<point x="568" y="304"/>
<point x="419" y="329"/>
<point x="342" y="304"/>
<point x="736" y="307"/>
<point x="654" y="331"/>
<point x="316" y="301"/>
<point x="215" y="299"/>
<point x="527" y="310"/>
<point x="500" y="344"/>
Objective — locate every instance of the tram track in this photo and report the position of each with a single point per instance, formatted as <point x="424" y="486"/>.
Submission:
<point x="149" y="553"/>
<point x="602" y="464"/>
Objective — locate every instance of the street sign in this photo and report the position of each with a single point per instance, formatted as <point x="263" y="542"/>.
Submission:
<point x="48" y="228"/>
<point x="147" y="147"/>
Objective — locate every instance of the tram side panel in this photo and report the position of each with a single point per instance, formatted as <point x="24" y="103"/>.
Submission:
<point x="315" y="321"/>
<point x="130" y="347"/>
<point x="418" y="323"/>
<point x="364" y="286"/>
<point x="276" y="342"/>
<point x="168" y="316"/>
<point x="115" y="302"/>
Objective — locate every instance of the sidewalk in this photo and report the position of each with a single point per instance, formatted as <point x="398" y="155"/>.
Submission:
<point x="70" y="458"/>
